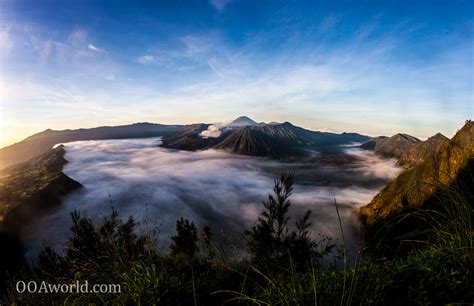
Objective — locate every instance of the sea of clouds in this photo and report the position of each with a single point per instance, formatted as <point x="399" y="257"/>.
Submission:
<point x="212" y="188"/>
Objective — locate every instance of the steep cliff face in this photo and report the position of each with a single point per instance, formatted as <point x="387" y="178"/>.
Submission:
<point x="420" y="186"/>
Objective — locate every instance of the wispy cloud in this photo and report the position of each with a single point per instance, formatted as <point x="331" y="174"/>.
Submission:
<point x="76" y="45"/>
<point x="94" y="48"/>
<point x="219" y="5"/>
<point x="146" y="59"/>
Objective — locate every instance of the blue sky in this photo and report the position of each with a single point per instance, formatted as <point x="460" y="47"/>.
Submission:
<point x="375" y="67"/>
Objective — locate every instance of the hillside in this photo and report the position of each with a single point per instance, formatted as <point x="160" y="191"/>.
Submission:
<point x="32" y="188"/>
<point x="40" y="143"/>
<point x="451" y="166"/>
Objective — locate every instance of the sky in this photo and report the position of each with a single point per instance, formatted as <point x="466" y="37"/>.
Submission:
<point x="374" y="67"/>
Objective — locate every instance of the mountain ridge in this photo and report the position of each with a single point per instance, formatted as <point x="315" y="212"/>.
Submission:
<point x="421" y="186"/>
<point x="408" y="150"/>
<point x="419" y="152"/>
<point x="392" y="147"/>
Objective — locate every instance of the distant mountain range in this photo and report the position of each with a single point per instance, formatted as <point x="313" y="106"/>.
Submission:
<point x="277" y="140"/>
<point x="245" y="136"/>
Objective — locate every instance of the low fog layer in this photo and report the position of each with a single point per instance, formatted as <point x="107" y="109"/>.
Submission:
<point x="221" y="190"/>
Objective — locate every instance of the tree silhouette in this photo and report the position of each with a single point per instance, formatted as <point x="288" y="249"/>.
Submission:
<point x="269" y="241"/>
<point x="185" y="240"/>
